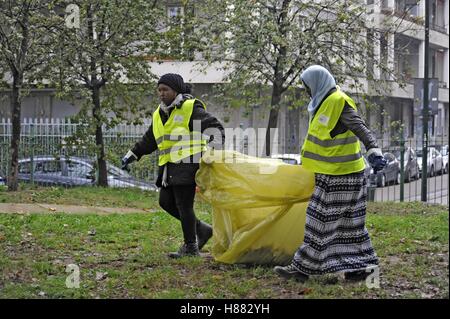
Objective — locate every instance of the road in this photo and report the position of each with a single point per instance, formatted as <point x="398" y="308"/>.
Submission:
<point x="437" y="191"/>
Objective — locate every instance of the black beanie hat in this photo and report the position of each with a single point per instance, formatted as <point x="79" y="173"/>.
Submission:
<point x="175" y="82"/>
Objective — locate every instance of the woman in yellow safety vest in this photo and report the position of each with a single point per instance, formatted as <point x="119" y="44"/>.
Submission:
<point x="179" y="131"/>
<point x="336" y="239"/>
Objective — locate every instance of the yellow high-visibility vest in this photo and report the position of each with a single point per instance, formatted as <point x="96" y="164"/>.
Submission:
<point x="323" y="154"/>
<point x="174" y="139"/>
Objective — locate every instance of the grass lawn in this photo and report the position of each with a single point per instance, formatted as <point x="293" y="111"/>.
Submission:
<point x="124" y="255"/>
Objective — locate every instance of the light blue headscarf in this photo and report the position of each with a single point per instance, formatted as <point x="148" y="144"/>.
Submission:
<point x="320" y="82"/>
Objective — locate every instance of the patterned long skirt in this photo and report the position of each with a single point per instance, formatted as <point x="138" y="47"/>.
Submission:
<point x="336" y="238"/>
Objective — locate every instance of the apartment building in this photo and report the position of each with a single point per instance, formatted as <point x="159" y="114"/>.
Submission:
<point x="404" y="52"/>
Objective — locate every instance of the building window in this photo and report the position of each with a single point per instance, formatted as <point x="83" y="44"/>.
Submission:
<point x="437" y="16"/>
<point x="174" y="11"/>
<point x="406" y="57"/>
<point x="436" y="65"/>
<point x="408" y="7"/>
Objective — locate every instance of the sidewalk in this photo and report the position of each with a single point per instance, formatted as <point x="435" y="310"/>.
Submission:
<point x="14" y="208"/>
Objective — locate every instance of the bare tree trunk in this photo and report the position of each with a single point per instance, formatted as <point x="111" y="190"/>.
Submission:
<point x="17" y="74"/>
<point x="278" y="89"/>
<point x="15" y="138"/>
<point x="102" y="171"/>
<point x="97" y="111"/>
<point x="273" y="117"/>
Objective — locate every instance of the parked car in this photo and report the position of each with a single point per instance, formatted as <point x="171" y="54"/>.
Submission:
<point x="434" y="162"/>
<point x="410" y="165"/>
<point x="390" y="174"/>
<point x="368" y="171"/>
<point x="289" y="158"/>
<point x="74" y="171"/>
<point x="444" y="153"/>
<point x="2" y="181"/>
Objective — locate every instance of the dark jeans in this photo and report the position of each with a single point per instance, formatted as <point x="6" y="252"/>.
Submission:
<point x="178" y="201"/>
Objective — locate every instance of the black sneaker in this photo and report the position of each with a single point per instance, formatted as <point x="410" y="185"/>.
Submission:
<point x="204" y="233"/>
<point x="290" y="271"/>
<point x="187" y="249"/>
<point x="359" y="275"/>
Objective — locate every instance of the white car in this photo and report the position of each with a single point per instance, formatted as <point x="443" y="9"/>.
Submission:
<point x="444" y="152"/>
<point x="288" y="158"/>
<point x="434" y="163"/>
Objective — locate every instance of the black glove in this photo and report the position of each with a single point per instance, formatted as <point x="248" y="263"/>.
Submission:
<point x="129" y="158"/>
<point x="376" y="159"/>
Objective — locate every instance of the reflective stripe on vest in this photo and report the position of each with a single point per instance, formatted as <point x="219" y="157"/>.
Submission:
<point x="175" y="141"/>
<point x="332" y="159"/>
<point x="169" y="137"/>
<point x="333" y="156"/>
<point x="330" y="143"/>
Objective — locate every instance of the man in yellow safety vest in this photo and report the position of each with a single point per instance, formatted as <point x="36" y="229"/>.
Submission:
<point x="178" y="132"/>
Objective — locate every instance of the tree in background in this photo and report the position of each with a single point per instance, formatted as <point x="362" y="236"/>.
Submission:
<point x="270" y="42"/>
<point x="104" y="62"/>
<point x="26" y="28"/>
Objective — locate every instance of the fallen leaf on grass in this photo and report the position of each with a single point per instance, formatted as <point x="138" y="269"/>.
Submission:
<point x="305" y="291"/>
<point x="100" y="275"/>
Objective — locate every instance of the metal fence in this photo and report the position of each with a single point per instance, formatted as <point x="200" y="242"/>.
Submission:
<point x="44" y="147"/>
<point x="43" y="141"/>
<point x="401" y="179"/>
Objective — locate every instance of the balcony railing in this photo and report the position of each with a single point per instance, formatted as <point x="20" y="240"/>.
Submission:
<point x="442" y="84"/>
<point x="438" y="28"/>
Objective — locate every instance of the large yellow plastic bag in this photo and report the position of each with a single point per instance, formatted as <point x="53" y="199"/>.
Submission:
<point x="259" y="206"/>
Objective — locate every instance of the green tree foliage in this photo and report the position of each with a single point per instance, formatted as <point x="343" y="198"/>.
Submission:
<point x="104" y="62"/>
<point x="270" y="42"/>
<point x="26" y="30"/>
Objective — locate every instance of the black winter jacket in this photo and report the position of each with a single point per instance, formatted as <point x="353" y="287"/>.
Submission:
<point x="181" y="173"/>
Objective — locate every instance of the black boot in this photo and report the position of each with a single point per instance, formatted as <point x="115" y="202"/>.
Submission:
<point x="204" y="233"/>
<point x="359" y="275"/>
<point x="187" y="249"/>
<point x="290" y="271"/>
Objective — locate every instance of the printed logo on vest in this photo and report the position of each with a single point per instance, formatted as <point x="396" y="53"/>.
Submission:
<point x="323" y="119"/>
<point x="178" y="118"/>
